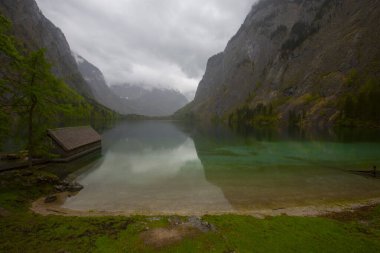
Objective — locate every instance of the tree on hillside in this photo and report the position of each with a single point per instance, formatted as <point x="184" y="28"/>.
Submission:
<point x="29" y="90"/>
<point x="10" y="60"/>
<point x="41" y="98"/>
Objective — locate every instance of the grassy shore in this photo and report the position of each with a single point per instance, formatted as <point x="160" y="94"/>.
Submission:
<point x="23" y="231"/>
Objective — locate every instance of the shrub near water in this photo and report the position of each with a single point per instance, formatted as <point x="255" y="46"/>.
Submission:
<point x="361" y="106"/>
<point x="261" y="115"/>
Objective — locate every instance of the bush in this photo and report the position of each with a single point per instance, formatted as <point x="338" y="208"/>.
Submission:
<point x="362" y="105"/>
<point x="261" y="115"/>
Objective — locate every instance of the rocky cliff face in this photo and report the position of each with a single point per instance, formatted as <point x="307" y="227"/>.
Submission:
<point x="300" y="58"/>
<point x="35" y="31"/>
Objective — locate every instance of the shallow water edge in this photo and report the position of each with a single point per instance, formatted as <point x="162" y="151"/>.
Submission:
<point x="56" y="208"/>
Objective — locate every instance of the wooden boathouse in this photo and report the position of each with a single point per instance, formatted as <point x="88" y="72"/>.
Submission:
<point x="73" y="142"/>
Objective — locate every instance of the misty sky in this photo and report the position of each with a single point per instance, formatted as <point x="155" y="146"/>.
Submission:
<point x="158" y="43"/>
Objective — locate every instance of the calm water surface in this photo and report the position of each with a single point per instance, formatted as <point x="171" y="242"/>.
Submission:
<point x="151" y="167"/>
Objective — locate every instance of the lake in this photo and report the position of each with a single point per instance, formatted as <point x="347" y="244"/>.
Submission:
<point x="163" y="167"/>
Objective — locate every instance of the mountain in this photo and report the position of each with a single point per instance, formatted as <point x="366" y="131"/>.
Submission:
<point x="160" y="102"/>
<point x="130" y="99"/>
<point x="99" y="88"/>
<point x="32" y="28"/>
<point x="190" y="95"/>
<point x="301" y="62"/>
<point x="150" y="102"/>
<point x="127" y="91"/>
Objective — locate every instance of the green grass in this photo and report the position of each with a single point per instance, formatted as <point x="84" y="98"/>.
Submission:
<point x="23" y="231"/>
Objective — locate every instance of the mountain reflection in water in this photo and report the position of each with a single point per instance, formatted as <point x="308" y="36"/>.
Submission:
<point x="148" y="167"/>
<point x="157" y="167"/>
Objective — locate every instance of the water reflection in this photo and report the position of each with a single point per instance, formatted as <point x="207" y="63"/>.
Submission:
<point x="276" y="170"/>
<point x="148" y="167"/>
<point x="164" y="168"/>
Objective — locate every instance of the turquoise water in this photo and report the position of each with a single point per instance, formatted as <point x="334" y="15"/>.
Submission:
<point x="157" y="167"/>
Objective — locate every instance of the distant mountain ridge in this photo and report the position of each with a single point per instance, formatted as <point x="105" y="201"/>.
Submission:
<point x="129" y="99"/>
<point x="151" y="102"/>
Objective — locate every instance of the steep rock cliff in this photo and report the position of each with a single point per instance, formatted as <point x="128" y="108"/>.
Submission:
<point x="35" y="31"/>
<point x="298" y="57"/>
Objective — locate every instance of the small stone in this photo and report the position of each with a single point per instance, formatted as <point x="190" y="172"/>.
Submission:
<point x="203" y="226"/>
<point x="50" y="199"/>
<point x="65" y="182"/>
<point x="74" y="187"/>
<point x="210" y="227"/>
<point x="154" y="219"/>
<point x="60" y="188"/>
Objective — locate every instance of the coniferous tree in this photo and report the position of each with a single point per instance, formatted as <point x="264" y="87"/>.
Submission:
<point x="30" y="91"/>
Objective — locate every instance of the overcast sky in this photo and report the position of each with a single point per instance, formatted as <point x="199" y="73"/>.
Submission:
<point x="158" y="43"/>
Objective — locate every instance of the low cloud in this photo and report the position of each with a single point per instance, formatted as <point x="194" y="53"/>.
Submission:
<point x="162" y="43"/>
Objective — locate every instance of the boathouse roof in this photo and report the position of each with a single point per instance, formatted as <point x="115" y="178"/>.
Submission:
<point x="71" y="138"/>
